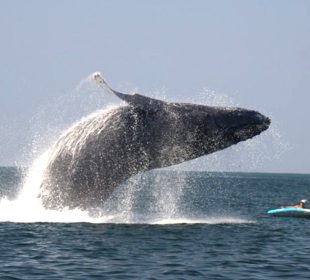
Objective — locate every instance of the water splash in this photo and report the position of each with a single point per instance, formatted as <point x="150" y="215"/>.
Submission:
<point x="166" y="203"/>
<point x="27" y="207"/>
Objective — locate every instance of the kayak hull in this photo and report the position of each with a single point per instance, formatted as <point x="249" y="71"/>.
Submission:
<point x="290" y="212"/>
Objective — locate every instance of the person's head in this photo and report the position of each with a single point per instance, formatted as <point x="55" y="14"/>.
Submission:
<point x="303" y="202"/>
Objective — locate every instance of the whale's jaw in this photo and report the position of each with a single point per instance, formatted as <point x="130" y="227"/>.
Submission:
<point x="251" y="130"/>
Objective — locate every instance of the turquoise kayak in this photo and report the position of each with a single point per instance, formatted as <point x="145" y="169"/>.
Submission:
<point x="290" y="212"/>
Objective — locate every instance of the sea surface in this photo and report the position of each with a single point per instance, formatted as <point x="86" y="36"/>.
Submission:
<point x="160" y="225"/>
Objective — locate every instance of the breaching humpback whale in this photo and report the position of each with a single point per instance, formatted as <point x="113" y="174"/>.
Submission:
<point x="91" y="159"/>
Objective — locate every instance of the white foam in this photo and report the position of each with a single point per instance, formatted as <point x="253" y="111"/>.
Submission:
<point x="207" y="220"/>
<point x="28" y="208"/>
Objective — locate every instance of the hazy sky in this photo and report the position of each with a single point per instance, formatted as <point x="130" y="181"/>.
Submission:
<point x="256" y="52"/>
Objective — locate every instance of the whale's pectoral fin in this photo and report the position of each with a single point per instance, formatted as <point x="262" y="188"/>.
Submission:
<point x="136" y="100"/>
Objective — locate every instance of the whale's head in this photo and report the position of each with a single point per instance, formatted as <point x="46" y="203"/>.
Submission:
<point x="230" y="125"/>
<point x="188" y="131"/>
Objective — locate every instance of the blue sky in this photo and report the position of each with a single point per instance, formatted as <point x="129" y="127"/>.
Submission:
<point x="256" y="52"/>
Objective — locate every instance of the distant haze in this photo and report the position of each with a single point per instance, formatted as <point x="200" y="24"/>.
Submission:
<point x="255" y="52"/>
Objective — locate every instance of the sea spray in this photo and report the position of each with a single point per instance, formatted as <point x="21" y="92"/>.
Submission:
<point x="169" y="195"/>
<point x="123" y="207"/>
<point x="53" y="118"/>
<point x="27" y="207"/>
<point x="46" y="126"/>
<point x="148" y="197"/>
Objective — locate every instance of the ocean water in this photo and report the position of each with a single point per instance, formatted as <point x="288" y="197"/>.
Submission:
<point x="160" y="225"/>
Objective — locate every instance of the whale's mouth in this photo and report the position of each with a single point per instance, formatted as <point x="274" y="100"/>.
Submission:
<point x="250" y="130"/>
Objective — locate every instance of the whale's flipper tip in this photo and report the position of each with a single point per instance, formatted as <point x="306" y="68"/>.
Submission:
<point x="96" y="76"/>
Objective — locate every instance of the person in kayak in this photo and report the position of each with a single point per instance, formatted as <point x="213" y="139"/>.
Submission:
<point x="301" y="204"/>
